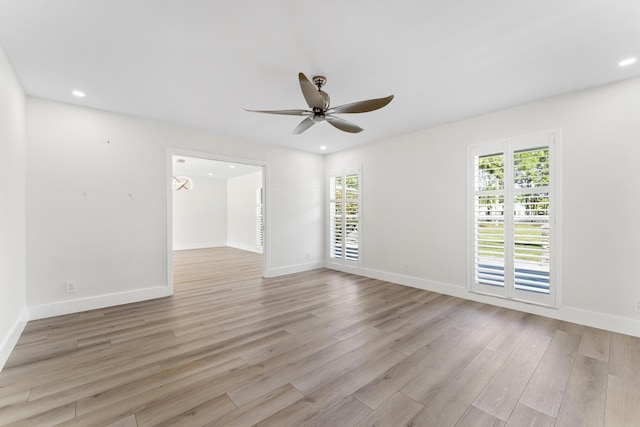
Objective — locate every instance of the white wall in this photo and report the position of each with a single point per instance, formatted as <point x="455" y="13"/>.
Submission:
<point x="242" y="204"/>
<point x="415" y="202"/>
<point x="97" y="208"/>
<point x="200" y="214"/>
<point x="301" y="194"/>
<point x="12" y="205"/>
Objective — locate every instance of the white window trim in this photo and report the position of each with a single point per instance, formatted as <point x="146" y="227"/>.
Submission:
<point x="554" y="142"/>
<point x="343" y="173"/>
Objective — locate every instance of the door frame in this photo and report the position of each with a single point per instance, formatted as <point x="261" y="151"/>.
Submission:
<point x="169" y="205"/>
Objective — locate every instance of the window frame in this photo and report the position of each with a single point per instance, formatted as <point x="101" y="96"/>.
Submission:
<point x="508" y="147"/>
<point x="344" y="260"/>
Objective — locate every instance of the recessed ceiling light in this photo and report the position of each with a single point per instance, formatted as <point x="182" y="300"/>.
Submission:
<point x="627" y="62"/>
<point x="210" y="173"/>
<point x="323" y="147"/>
<point x="232" y="166"/>
<point x="79" y="93"/>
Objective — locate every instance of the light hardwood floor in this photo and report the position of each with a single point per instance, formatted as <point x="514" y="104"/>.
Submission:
<point x="320" y="348"/>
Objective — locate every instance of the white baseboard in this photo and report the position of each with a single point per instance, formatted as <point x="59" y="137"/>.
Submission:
<point x="9" y="341"/>
<point x="623" y="325"/>
<point x="292" y="269"/>
<point x="250" y="248"/>
<point x="92" y="303"/>
<point x="187" y="246"/>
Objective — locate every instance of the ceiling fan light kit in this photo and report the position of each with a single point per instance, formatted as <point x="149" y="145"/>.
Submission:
<point x="320" y="109"/>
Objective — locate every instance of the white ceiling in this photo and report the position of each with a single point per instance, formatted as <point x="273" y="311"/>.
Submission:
<point x="200" y="62"/>
<point x="193" y="166"/>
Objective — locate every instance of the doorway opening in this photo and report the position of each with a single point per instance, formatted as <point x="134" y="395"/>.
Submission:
<point x="215" y="202"/>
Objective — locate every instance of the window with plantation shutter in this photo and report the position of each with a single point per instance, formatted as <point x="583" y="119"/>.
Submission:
<point x="513" y="218"/>
<point x="344" y="217"/>
<point x="259" y="219"/>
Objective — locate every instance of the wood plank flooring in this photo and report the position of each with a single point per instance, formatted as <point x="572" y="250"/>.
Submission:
<point x="320" y="348"/>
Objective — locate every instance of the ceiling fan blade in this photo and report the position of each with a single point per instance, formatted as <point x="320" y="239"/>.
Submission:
<point x="343" y="124"/>
<point x="362" y="106"/>
<point x="285" y="112"/>
<point x="304" y="125"/>
<point x="312" y="95"/>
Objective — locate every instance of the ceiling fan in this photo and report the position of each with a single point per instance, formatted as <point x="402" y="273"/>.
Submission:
<point x="320" y="110"/>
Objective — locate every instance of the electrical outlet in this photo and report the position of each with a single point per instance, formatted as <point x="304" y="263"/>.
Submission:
<point x="637" y="306"/>
<point x="70" y="286"/>
<point x="406" y="267"/>
<point x="308" y="256"/>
